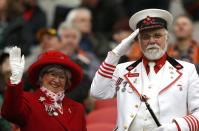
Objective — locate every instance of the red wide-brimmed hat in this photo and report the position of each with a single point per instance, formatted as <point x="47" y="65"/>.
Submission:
<point x="55" y="57"/>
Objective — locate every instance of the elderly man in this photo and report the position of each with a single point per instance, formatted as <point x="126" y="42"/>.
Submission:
<point x="70" y="37"/>
<point x="169" y="86"/>
<point x="46" y="109"/>
<point x="94" y="43"/>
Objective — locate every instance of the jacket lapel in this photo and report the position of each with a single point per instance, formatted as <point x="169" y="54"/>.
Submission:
<point x="171" y="75"/>
<point x="138" y="79"/>
<point x="133" y="77"/>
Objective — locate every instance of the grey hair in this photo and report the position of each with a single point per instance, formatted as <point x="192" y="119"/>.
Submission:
<point x="167" y="34"/>
<point x="73" y="13"/>
<point x="66" y="25"/>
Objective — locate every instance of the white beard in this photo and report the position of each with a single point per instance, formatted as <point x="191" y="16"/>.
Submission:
<point x="154" y="52"/>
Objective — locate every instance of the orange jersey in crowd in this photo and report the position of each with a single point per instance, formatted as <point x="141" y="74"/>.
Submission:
<point x="192" y="55"/>
<point x="135" y="51"/>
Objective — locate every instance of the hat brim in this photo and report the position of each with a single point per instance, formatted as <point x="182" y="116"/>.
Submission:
<point x="76" y="71"/>
<point x="137" y="17"/>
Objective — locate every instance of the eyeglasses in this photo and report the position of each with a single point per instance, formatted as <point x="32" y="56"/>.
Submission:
<point x="61" y="77"/>
<point x="155" y="36"/>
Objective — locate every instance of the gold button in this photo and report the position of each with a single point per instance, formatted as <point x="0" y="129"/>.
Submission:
<point x="125" y="127"/>
<point x="132" y="116"/>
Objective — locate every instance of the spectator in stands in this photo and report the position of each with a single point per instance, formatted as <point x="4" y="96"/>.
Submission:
<point x="185" y="48"/>
<point x="34" y="16"/>
<point x="4" y="74"/>
<point x="94" y="43"/>
<point x="13" y="29"/>
<point x="4" y="68"/>
<point x="104" y="14"/>
<point x="48" y="40"/>
<point x="70" y="37"/>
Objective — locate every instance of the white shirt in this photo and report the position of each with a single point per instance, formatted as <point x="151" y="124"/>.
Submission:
<point x="143" y="120"/>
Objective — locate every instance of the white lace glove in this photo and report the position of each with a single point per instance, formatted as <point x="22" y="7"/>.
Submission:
<point x="123" y="47"/>
<point x="167" y="127"/>
<point x="17" y="65"/>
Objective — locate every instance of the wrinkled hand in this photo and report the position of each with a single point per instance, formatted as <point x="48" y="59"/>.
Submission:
<point x="17" y="63"/>
<point x="167" y="127"/>
<point x="123" y="47"/>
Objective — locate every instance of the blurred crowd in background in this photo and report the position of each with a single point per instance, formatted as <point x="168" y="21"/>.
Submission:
<point x="86" y="30"/>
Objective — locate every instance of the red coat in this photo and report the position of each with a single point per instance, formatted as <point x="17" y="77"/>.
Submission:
<point x="25" y="109"/>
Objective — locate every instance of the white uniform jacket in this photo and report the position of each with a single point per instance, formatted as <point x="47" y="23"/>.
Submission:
<point x="178" y="96"/>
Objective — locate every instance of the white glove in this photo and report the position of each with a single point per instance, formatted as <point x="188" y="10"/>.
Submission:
<point x="167" y="127"/>
<point x="17" y="65"/>
<point x="123" y="47"/>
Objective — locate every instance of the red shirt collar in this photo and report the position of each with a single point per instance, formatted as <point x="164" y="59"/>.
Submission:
<point x="159" y="63"/>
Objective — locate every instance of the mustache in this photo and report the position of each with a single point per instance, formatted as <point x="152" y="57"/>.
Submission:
<point x="152" y="46"/>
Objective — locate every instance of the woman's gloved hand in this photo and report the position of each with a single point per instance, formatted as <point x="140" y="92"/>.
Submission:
<point x="17" y="63"/>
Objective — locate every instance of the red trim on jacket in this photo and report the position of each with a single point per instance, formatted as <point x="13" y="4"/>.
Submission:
<point x="177" y="125"/>
<point x="109" y="69"/>
<point x="104" y="75"/>
<point x="136" y="91"/>
<point x="180" y="74"/>
<point x="109" y="65"/>
<point x="192" y="122"/>
<point x="109" y="73"/>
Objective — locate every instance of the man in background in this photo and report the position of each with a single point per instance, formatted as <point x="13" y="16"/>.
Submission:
<point x="48" y="40"/>
<point x="185" y="48"/>
<point x="91" y="42"/>
<point x="69" y="40"/>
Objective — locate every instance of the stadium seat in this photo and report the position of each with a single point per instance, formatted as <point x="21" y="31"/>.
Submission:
<point x="104" y="115"/>
<point x="100" y="127"/>
<point x="105" y="103"/>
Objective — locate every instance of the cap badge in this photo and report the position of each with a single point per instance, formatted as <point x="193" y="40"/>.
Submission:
<point x="148" y="20"/>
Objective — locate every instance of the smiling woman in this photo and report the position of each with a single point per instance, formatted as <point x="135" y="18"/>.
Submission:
<point x="47" y="108"/>
<point x="55" y="78"/>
